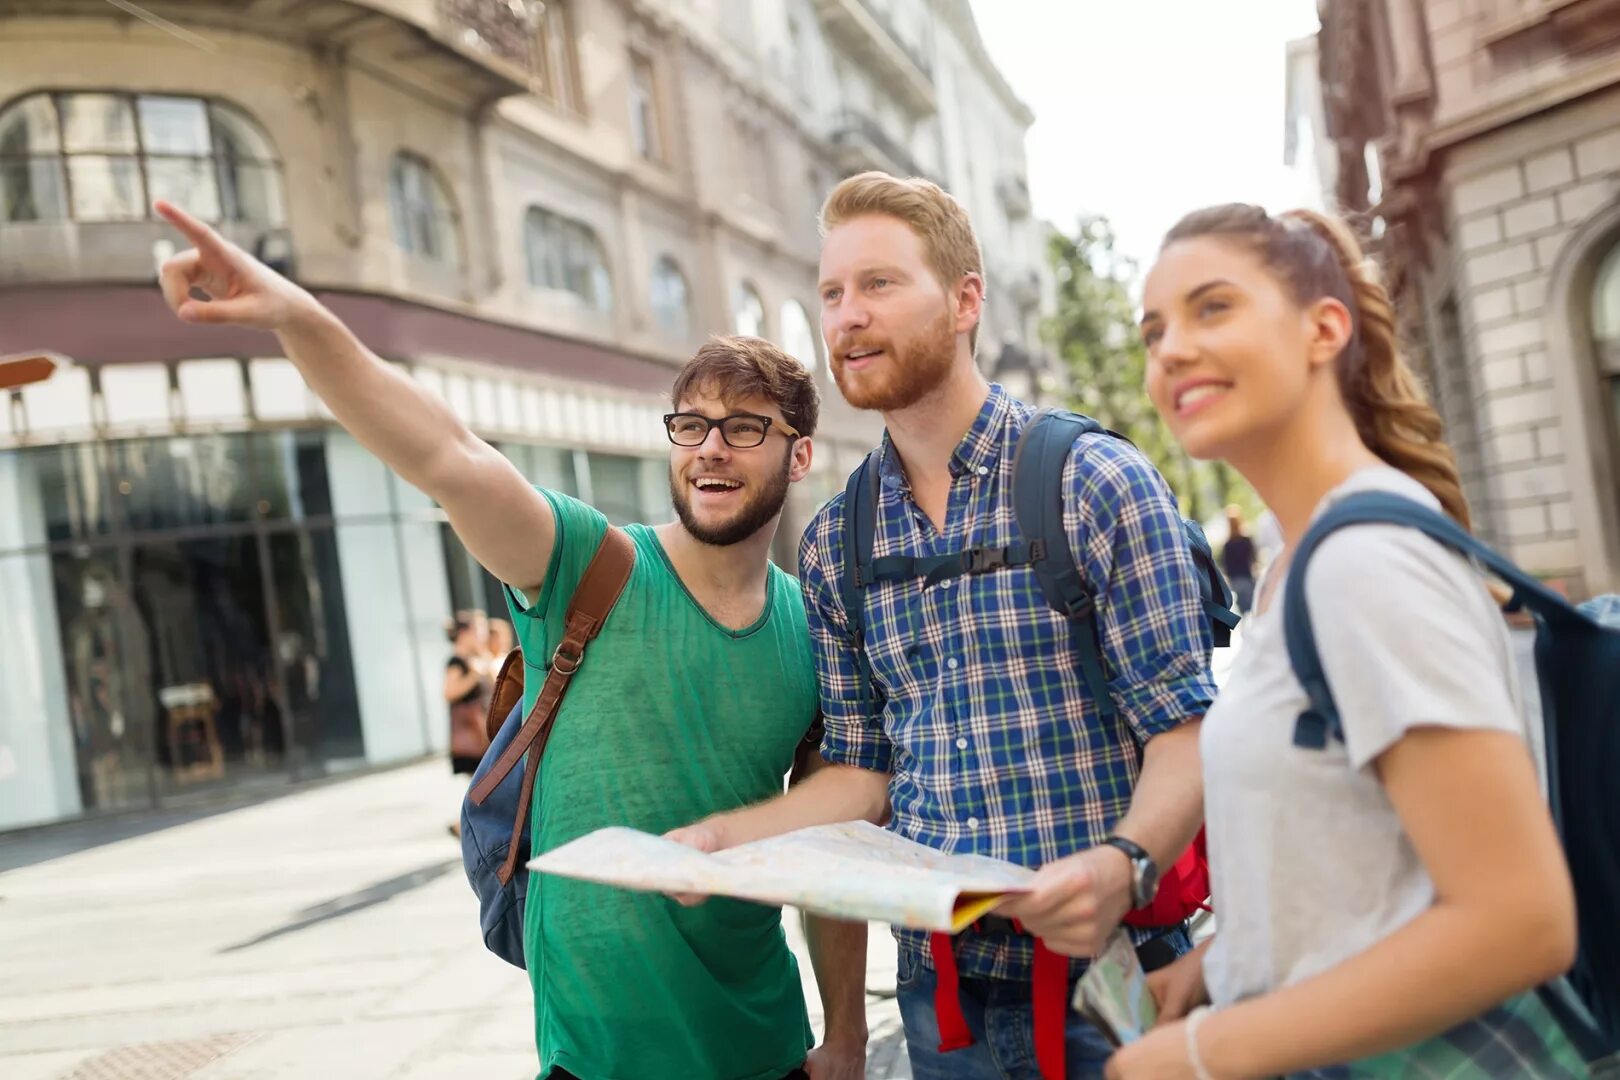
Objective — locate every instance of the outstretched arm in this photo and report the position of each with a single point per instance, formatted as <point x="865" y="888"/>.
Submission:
<point x="505" y="523"/>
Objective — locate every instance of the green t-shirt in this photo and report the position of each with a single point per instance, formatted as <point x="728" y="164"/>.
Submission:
<point x="672" y="717"/>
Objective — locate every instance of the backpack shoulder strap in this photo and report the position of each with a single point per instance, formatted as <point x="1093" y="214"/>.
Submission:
<point x="860" y="538"/>
<point x="1037" y="490"/>
<point x="598" y="591"/>
<point x="1321" y="720"/>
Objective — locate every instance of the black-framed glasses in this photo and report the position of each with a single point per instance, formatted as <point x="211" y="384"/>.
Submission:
<point x="741" y="431"/>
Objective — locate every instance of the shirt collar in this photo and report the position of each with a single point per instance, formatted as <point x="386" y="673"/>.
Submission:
<point x="978" y="451"/>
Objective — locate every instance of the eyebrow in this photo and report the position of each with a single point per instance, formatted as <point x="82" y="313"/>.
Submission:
<point x="1148" y="316"/>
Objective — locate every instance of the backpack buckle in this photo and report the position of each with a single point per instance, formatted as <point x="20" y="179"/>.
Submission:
<point x="979" y="560"/>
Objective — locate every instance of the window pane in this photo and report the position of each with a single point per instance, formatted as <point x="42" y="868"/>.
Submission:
<point x="616" y="487"/>
<point x="93" y="123"/>
<point x="292" y="476"/>
<point x="174" y="125"/>
<point x="250" y="193"/>
<point x="32" y="190"/>
<point x="106" y="189"/>
<point x="669" y="299"/>
<point x="749" y="313"/>
<point x="29" y="127"/>
<point x="1606" y="299"/>
<point x="174" y="482"/>
<point x="236" y="138"/>
<point x="798" y="340"/>
<point x="187" y="182"/>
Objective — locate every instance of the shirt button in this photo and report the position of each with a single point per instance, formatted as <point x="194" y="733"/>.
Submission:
<point x="982" y="471"/>
<point x="973" y="823"/>
<point x="952" y="664"/>
<point x="947" y="583"/>
<point x="961" y="744"/>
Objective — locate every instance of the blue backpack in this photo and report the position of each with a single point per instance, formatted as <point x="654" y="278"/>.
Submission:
<point x="1578" y="668"/>
<point x="495" y="813"/>
<point x="1037" y="490"/>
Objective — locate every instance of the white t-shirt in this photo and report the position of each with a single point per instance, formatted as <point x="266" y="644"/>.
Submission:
<point x="1309" y="862"/>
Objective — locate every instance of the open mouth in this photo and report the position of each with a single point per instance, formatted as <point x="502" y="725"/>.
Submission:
<point x="856" y="359"/>
<point x="716" y="485"/>
<point x="1195" y="398"/>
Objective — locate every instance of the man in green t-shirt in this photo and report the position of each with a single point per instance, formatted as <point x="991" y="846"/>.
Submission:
<point x="695" y="699"/>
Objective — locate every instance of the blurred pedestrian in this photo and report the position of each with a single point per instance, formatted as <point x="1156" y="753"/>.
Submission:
<point x="501" y="641"/>
<point x="468" y="677"/>
<point x="1238" y="559"/>
<point x="1387" y="900"/>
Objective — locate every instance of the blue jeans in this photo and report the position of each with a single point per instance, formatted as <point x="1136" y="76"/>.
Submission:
<point x="1001" y="1017"/>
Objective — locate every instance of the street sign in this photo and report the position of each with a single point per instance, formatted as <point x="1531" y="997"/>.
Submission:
<point x="24" y="368"/>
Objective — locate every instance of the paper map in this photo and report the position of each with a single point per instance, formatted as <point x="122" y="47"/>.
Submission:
<point x="852" y="870"/>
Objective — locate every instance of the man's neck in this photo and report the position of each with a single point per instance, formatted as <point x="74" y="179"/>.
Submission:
<point x="734" y="570"/>
<point x="926" y="434"/>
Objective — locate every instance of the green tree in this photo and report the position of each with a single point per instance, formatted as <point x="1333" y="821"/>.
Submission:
<point x="1093" y="331"/>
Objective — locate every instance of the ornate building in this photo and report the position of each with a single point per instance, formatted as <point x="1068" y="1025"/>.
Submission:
<point x="1478" y="141"/>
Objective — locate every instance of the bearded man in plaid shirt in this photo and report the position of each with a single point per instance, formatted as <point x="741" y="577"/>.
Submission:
<point x="978" y="733"/>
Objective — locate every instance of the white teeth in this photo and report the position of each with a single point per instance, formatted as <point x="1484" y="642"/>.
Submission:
<point x="712" y="483"/>
<point x="1199" y="393"/>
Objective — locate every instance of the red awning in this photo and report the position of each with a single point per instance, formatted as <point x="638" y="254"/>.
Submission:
<point x="113" y="324"/>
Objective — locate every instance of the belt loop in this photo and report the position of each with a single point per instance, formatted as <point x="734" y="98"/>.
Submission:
<point x="953" y="1029"/>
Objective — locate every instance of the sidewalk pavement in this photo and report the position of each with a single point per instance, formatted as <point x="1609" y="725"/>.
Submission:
<point x="326" y="933"/>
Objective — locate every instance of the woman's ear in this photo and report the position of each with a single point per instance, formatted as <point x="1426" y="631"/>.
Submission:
<point x="1329" y="328"/>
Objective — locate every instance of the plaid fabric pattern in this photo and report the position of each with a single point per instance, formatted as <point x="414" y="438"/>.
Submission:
<point x="1517" y="1038"/>
<point x="985" y="722"/>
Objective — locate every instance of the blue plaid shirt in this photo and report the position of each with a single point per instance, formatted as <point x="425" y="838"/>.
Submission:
<point x="993" y="741"/>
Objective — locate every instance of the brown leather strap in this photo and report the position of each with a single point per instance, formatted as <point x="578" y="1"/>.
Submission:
<point x="598" y="590"/>
<point x="508" y="692"/>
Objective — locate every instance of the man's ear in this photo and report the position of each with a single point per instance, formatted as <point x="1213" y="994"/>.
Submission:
<point x="969" y="298"/>
<point x="803" y="451"/>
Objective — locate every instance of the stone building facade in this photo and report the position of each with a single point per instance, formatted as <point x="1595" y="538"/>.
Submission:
<point x="1492" y="189"/>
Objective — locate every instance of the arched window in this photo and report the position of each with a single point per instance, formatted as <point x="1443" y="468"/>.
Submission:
<point x="106" y="156"/>
<point x="748" y="311"/>
<point x="1606" y="326"/>
<point x="565" y="254"/>
<point x="424" y="217"/>
<point x="671" y="300"/>
<point x="798" y="339"/>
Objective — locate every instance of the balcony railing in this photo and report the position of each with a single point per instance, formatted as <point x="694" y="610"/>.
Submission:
<point x="869" y="36"/>
<point x="864" y="144"/>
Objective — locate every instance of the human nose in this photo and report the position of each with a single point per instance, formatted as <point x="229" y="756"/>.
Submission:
<point x="1175" y="347"/>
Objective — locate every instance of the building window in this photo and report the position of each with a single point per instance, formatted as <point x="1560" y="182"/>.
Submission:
<point x="644" y="109"/>
<point x="755" y="168"/>
<point x="1606" y="330"/>
<point x="798" y="339"/>
<point x="748" y="311"/>
<point x="557" y="61"/>
<point x="671" y="300"/>
<point x="565" y="254"/>
<point x="106" y="156"/>
<point x="424" y="219"/>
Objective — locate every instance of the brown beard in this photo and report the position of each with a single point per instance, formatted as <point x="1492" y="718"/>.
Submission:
<point x="754" y="514"/>
<point x="915" y="368"/>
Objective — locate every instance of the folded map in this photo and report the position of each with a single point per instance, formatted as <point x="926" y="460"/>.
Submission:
<point x="852" y="870"/>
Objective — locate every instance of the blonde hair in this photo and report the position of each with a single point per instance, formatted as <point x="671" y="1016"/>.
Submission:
<point x="1315" y="256"/>
<point x="941" y="222"/>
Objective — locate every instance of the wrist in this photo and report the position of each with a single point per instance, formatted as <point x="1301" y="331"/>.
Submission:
<point x="850" y="1035"/>
<point x="1221" y="1055"/>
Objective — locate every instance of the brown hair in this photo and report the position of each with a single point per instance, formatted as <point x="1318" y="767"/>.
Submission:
<point x="932" y="212"/>
<point x="1315" y="256"/>
<point x="739" y="367"/>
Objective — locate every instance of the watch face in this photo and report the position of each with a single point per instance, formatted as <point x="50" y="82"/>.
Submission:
<point x="1147" y="880"/>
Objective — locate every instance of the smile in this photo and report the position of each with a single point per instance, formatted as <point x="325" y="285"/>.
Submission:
<point x="716" y="485"/>
<point x="1194" y="398"/>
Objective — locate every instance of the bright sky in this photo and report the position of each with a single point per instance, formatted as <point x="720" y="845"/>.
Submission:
<point x="1146" y="109"/>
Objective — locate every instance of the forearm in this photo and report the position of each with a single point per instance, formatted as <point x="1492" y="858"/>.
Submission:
<point x="387" y="411"/>
<point x="834" y="793"/>
<point x="1167" y="806"/>
<point x="1443" y="967"/>
<point x="838" y="955"/>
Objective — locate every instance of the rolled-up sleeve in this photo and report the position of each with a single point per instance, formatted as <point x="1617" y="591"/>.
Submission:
<point x="854" y="734"/>
<point x="1124" y="524"/>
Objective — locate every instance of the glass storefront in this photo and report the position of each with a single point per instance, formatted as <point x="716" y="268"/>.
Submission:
<point x="182" y="613"/>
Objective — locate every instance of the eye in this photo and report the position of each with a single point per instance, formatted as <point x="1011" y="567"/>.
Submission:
<point x="687" y="425"/>
<point x="830" y="295"/>
<point x="1151" y="336"/>
<point x="747" y="427"/>
<point x="880" y="283"/>
<point x="1212" y="307"/>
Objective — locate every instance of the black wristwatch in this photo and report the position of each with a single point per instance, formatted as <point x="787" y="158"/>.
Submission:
<point x="1144" y="871"/>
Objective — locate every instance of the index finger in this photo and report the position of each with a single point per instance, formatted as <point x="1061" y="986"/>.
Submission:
<point x="205" y="238"/>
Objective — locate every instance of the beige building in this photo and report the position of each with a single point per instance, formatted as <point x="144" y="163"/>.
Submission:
<point x="537" y="209"/>
<point x="1480" y="141"/>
